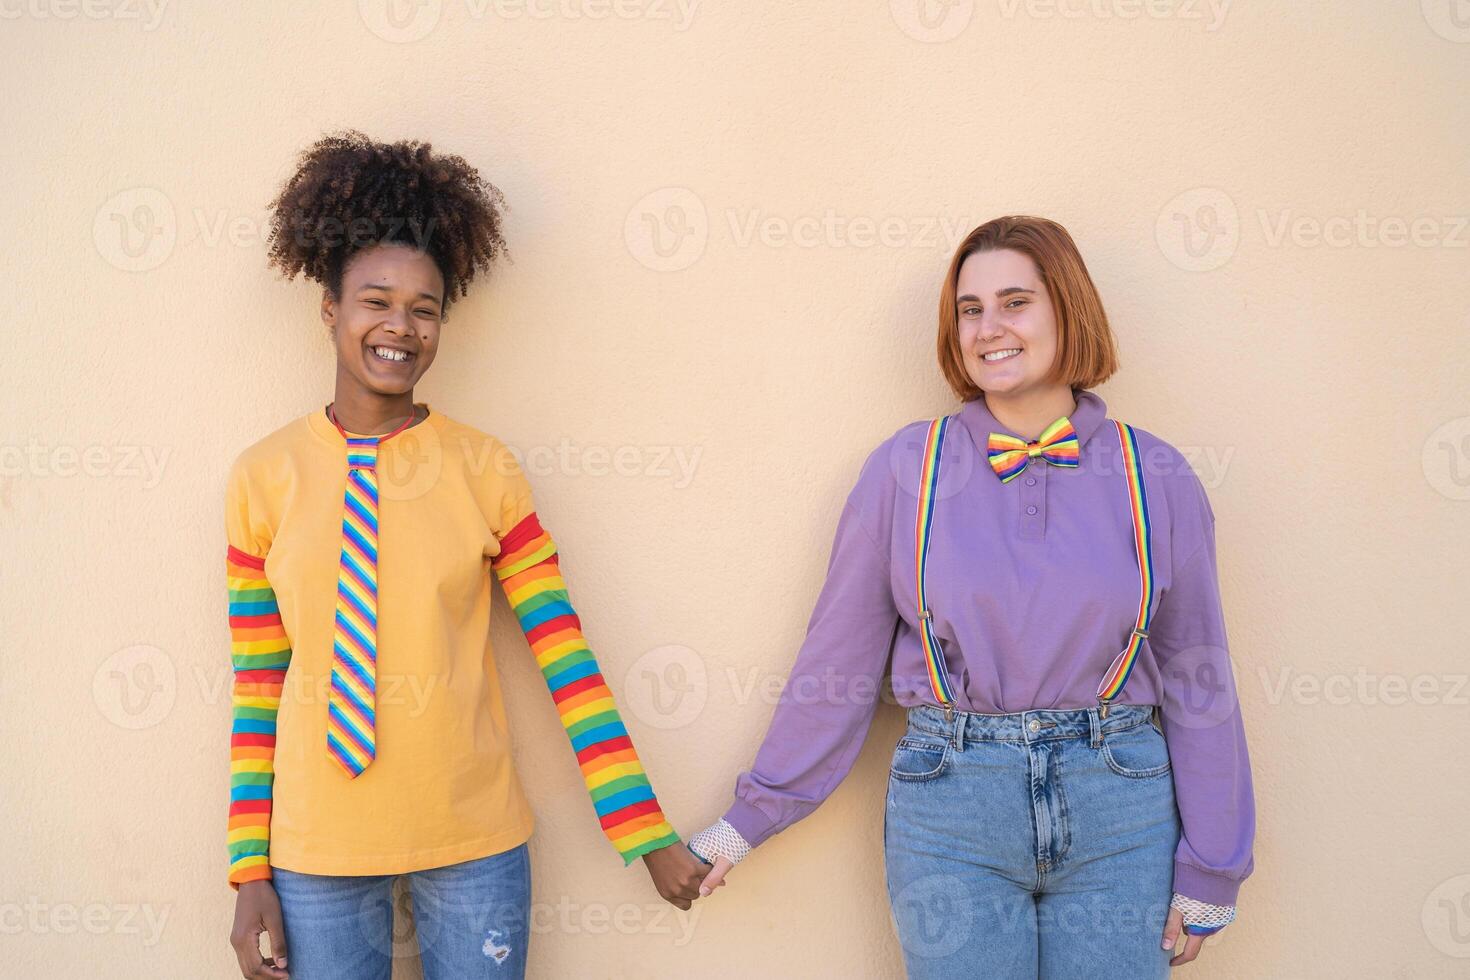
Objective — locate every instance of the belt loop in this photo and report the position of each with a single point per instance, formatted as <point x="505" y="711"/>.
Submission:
<point x="1094" y="723"/>
<point x="959" y="733"/>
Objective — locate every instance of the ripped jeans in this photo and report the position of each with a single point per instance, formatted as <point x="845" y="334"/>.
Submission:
<point x="1033" y="844"/>
<point x="472" y="919"/>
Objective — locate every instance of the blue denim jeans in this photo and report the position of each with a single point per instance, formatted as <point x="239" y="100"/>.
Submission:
<point x="472" y="919"/>
<point x="1034" y="844"/>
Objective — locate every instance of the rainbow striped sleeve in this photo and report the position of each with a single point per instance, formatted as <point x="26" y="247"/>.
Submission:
<point x="621" y="793"/>
<point x="260" y="652"/>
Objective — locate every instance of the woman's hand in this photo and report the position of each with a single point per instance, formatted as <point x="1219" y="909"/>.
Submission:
<point x="1173" y="929"/>
<point x="257" y="910"/>
<point x="716" y="877"/>
<point x="676" y="873"/>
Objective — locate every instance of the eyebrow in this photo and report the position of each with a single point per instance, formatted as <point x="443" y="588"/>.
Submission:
<point x="1008" y="291"/>
<point x="372" y="285"/>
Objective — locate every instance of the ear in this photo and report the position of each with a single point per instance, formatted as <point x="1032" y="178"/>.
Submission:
<point x="329" y="312"/>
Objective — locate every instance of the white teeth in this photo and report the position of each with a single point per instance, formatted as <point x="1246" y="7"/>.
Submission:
<point x="389" y="354"/>
<point x="1000" y="355"/>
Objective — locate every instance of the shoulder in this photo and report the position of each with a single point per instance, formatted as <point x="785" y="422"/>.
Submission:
<point x="487" y="461"/>
<point x="269" y="453"/>
<point x="897" y="460"/>
<point x="1171" y="470"/>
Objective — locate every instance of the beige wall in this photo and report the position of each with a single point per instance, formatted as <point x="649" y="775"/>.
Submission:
<point x="1272" y="198"/>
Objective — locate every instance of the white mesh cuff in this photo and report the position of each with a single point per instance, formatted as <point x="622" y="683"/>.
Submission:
<point x="721" y="840"/>
<point x="1204" y="916"/>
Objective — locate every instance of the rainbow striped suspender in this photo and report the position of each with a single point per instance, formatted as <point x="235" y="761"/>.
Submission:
<point x="1117" y="674"/>
<point x="924" y="525"/>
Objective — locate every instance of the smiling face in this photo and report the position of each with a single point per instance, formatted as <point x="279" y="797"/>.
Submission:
<point x="1003" y="310"/>
<point x="386" y="322"/>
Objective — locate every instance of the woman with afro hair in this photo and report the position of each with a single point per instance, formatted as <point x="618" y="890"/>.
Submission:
<point x="369" y="739"/>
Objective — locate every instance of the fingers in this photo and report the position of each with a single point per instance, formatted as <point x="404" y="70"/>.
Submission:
<point x="1173" y="925"/>
<point x="716" y="877"/>
<point x="275" y="928"/>
<point x="1192" y="946"/>
<point x="247" y="951"/>
<point x="1173" y="929"/>
<point x="253" y="965"/>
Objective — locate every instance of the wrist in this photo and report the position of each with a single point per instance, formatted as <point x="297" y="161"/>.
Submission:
<point x="720" y="840"/>
<point x="1202" y="918"/>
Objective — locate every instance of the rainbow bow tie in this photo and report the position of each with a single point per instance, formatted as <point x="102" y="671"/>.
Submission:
<point x="1009" y="455"/>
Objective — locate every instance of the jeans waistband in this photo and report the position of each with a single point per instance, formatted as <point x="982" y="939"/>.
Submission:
<point x="1027" y="726"/>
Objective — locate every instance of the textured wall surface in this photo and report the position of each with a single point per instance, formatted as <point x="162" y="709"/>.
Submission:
<point x="728" y="224"/>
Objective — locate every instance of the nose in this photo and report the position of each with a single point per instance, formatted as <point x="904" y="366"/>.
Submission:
<point x="397" y="322"/>
<point x="990" y="326"/>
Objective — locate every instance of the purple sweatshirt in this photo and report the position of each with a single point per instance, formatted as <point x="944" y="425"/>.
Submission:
<point x="1034" y="588"/>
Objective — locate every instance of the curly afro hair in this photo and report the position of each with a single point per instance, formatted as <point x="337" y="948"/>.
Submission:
<point x="350" y="193"/>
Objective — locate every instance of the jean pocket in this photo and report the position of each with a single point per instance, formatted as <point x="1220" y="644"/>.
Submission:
<point x="920" y="757"/>
<point x="1138" y="753"/>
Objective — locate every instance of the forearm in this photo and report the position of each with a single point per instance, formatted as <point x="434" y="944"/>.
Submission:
<point x="621" y="793"/>
<point x="827" y="705"/>
<point x="260" y="654"/>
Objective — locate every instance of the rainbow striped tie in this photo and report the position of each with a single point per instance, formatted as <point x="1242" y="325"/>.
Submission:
<point x="352" y="702"/>
<point x="1009" y="455"/>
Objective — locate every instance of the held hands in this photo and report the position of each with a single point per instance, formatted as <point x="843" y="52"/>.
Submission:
<point x="677" y="874"/>
<point x="683" y="874"/>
